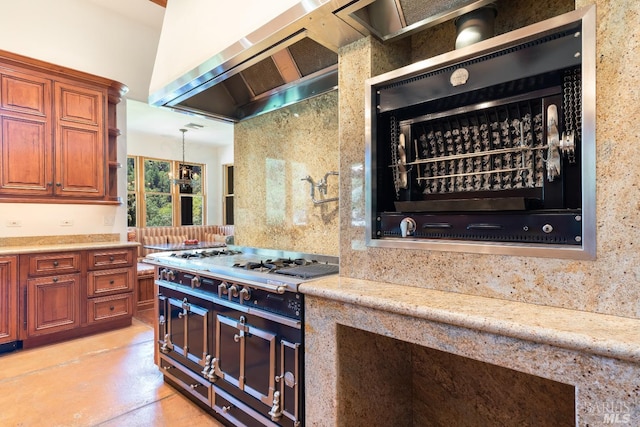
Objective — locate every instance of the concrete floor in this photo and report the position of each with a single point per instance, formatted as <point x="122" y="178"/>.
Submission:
<point x="107" y="379"/>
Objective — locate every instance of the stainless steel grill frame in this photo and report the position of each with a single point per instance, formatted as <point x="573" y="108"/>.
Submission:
<point x="584" y="20"/>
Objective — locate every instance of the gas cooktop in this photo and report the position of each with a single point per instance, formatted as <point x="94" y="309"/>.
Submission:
<point x="251" y="263"/>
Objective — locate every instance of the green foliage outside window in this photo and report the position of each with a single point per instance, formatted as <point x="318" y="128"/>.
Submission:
<point x="158" y="193"/>
<point x="159" y="210"/>
<point x="156" y="176"/>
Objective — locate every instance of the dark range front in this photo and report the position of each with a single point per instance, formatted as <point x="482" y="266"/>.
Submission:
<point x="243" y="367"/>
<point x="230" y="332"/>
<point x="489" y="148"/>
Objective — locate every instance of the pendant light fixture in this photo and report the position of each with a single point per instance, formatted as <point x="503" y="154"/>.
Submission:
<point x="185" y="174"/>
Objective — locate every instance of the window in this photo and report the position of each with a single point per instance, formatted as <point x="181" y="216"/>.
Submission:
<point x="155" y="199"/>
<point x="157" y="193"/>
<point x="132" y="191"/>
<point x="228" y="195"/>
<point x="191" y="195"/>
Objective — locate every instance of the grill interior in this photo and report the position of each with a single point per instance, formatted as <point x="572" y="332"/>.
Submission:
<point x="494" y="149"/>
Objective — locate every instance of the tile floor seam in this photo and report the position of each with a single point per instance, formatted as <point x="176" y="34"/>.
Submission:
<point x="132" y="410"/>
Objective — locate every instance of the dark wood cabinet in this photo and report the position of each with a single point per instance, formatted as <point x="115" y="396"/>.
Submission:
<point x="80" y="141"/>
<point x="52" y="293"/>
<point x="8" y="299"/>
<point x="26" y="158"/>
<point x="110" y="284"/>
<point x="53" y="304"/>
<point x="58" y="140"/>
<point x="67" y="294"/>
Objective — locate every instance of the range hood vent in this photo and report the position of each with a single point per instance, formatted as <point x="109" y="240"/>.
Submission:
<point x="291" y="58"/>
<point x="393" y="19"/>
<point x="295" y="55"/>
<point x="304" y="69"/>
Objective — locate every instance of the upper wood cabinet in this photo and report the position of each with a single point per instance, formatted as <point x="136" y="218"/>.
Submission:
<point x="58" y="134"/>
<point x="26" y="159"/>
<point x="80" y="141"/>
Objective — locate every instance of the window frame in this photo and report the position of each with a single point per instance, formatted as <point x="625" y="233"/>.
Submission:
<point x="140" y="193"/>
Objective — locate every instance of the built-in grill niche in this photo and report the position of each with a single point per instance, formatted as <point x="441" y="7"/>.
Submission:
<point x="489" y="148"/>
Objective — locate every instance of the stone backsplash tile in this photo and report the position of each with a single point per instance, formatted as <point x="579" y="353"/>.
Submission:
<point x="58" y="240"/>
<point x="274" y="153"/>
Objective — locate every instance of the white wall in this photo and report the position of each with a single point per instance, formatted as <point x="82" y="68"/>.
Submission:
<point x="78" y="34"/>
<point x="81" y="35"/>
<point x="170" y="147"/>
<point x="194" y="31"/>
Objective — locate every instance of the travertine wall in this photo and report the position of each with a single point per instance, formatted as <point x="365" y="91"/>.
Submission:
<point x="606" y="285"/>
<point x="273" y="154"/>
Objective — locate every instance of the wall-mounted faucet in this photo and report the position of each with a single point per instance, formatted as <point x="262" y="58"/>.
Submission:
<point x="322" y="188"/>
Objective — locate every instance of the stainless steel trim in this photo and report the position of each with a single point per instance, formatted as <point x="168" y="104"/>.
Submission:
<point x="275" y="253"/>
<point x="296" y="348"/>
<point x="587" y="251"/>
<point x="297" y="324"/>
<point x="483" y="105"/>
<point x="387" y="21"/>
<point x="276" y="289"/>
<point x="456" y="175"/>
<point x="241" y="406"/>
<point x="313" y="19"/>
<point x="185" y="386"/>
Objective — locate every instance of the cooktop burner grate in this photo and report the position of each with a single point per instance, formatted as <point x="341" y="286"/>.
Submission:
<point x="310" y="271"/>
<point x="205" y="254"/>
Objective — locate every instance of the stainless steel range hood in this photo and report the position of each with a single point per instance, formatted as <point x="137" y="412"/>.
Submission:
<point x="393" y="19"/>
<point x="291" y="58"/>
<point x="294" y="56"/>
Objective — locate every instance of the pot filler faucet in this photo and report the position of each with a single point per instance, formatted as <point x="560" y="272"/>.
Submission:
<point x="322" y="187"/>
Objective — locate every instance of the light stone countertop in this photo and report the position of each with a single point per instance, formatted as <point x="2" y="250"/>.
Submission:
<point x="600" y="334"/>
<point x="27" y="249"/>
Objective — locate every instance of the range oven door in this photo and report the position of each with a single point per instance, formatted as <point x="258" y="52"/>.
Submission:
<point x="258" y="361"/>
<point x="186" y="322"/>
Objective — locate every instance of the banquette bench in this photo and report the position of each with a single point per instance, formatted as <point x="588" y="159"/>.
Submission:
<point x="178" y="234"/>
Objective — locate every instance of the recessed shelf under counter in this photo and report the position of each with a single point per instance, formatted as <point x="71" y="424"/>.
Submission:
<point x="405" y="342"/>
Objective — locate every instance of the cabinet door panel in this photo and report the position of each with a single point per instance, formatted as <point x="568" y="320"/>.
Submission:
<point x="53" y="304"/>
<point x="26" y="157"/>
<point x="8" y="299"/>
<point x="27" y="94"/>
<point x="80" y="166"/>
<point x="79" y="105"/>
<point x="80" y="141"/>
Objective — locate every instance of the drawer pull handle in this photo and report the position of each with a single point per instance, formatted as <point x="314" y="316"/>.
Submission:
<point x="55" y="263"/>
<point x="111" y="258"/>
<point x="111" y="282"/>
<point x="55" y="280"/>
<point x="112" y="308"/>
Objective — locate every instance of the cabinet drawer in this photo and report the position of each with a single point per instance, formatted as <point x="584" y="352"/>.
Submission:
<point x="108" y="308"/>
<point x="54" y="263"/>
<point x="110" y="258"/>
<point x="109" y="281"/>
